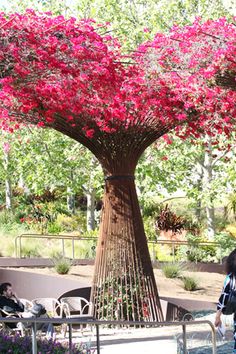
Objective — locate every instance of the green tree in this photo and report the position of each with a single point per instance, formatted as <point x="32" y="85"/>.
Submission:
<point x="132" y="21"/>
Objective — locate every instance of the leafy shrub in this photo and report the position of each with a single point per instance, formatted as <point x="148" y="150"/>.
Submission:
<point x="200" y="253"/>
<point x="6" y="217"/>
<point x="168" y="220"/>
<point x="149" y="227"/>
<point x="149" y="207"/>
<point x="16" y="344"/>
<point x="231" y="229"/>
<point x="232" y="204"/>
<point x="91" y="233"/>
<point x="62" y="265"/>
<point x="226" y="244"/>
<point x="190" y="284"/>
<point x="68" y="223"/>
<point x="161" y="253"/>
<point x="54" y="228"/>
<point x="172" y="270"/>
<point x="10" y="223"/>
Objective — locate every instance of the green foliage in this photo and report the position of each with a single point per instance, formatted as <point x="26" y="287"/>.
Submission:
<point x="231" y="229"/>
<point x="54" y="228"/>
<point x="232" y="204"/>
<point x="8" y="232"/>
<point x="194" y="252"/>
<point x="168" y="220"/>
<point x="200" y="253"/>
<point x="227" y="244"/>
<point x="163" y="253"/>
<point x="190" y="284"/>
<point x="172" y="270"/>
<point x="91" y="233"/>
<point x="17" y="345"/>
<point x="149" y="227"/>
<point x="149" y="207"/>
<point x="70" y="223"/>
<point x="62" y="265"/>
<point x="86" y="250"/>
<point x="30" y="251"/>
<point x="6" y="217"/>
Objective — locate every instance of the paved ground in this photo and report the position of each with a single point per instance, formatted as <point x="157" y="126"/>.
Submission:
<point x="165" y="340"/>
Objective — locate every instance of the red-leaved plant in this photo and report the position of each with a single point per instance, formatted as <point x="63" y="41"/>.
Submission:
<point x="168" y="220"/>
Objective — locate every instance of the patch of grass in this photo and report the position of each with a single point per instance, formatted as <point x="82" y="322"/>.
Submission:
<point x="190" y="284"/>
<point x="172" y="270"/>
<point x="55" y="253"/>
<point x="62" y="265"/>
<point x="85" y="250"/>
<point x="30" y="251"/>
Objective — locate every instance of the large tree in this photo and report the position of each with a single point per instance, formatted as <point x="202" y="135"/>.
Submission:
<point x="63" y="74"/>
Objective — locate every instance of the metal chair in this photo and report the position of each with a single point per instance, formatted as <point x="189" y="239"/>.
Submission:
<point x="53" y="308"/>
<point x="51" y="304"/>
<point x="16" y="327"/>
<point x="27" y="303"/>
<point x="74" y="307"/>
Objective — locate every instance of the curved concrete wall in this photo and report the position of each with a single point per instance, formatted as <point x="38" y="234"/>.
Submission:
<point x="32" y="285"/>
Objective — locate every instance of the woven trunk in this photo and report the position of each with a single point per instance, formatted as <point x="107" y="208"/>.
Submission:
<point x="124" y="287"/>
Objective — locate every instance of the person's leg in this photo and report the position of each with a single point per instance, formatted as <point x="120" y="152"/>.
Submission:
<point x="234" y="351"/>
<point x="47" y="327"/>
<point x="50" y="331"/>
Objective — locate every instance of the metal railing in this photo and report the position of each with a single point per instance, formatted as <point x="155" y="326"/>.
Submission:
<point x="152" y="244"/>
<point x="174" y="244"/>
<point x="97" y="323"/>
<point x="63" y="238"/>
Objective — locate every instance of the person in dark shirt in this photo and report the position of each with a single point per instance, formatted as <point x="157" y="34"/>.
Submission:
<point x="8" y="300"/>
<point x="10" y="303"/>
<point x="229" y="283"/>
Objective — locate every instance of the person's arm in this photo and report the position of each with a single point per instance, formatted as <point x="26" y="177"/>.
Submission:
<point x="19" y="306"/>
<point x="222" y="301"/>
<point x="218" y="318"/>
<point x="15" y="305"/>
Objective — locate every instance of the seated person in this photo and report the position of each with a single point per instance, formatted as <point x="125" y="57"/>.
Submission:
<point x="10" y="303"/>
<point x="8" y="300"/>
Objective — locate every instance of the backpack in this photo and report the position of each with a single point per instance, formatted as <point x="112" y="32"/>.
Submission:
<point x="230" y="307"/>
<point x="37" y="310"/>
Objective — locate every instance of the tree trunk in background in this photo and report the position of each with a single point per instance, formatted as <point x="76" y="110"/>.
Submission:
<point x="71" y="196"/>
<point x="8" y="190"/>
<point x="90" y="194"/>
<point x="207" y="179"/>
<point x="23" y="186"/>
<point x="70" y="201"/>
<point x="199" y="184"/>
<point x="8" y="194"/>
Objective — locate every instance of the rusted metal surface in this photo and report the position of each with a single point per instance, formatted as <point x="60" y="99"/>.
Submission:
<point x="124" y="287"/>
<point x="227" y="79"/>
